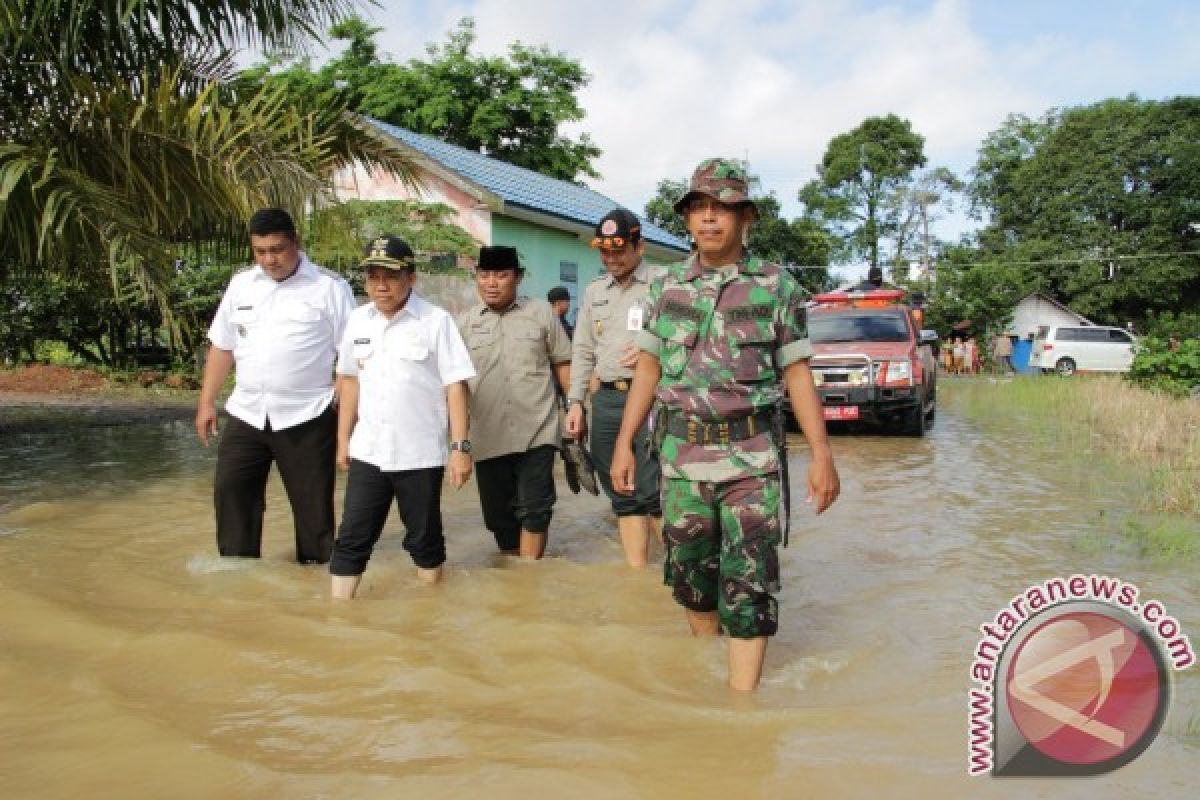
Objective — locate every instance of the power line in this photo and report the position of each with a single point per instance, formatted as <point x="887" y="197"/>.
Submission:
<point x="1071" y="260"/>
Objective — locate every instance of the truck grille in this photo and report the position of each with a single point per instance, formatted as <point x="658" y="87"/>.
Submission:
<point x="849" y="370"/>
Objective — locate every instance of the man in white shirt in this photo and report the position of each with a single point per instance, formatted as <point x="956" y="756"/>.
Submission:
<point x="403" y="369"/>
<point x="280" y="322"/>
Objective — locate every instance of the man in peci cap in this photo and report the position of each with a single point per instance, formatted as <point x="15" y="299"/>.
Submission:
<point x="519" y="349"/>
<point x="403" y="369"/>
<point x="279" y="323"/>
<point x="610" y="316"/>
<point x="726" y="333"/>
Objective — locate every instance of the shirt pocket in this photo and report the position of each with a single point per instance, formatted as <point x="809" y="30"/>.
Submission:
<point x="411" y="347"/>
<point x="529" y="347"/>
<point x="676" y="350"/>
<point x="752" y="349"/>
<point x="362" y="351"/>
<point x="601" y="320"/>
<point x="301" y="314"/>
<point x="243" y="320"/>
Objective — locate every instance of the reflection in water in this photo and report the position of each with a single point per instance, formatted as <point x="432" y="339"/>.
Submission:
<point x="136" y="663"/>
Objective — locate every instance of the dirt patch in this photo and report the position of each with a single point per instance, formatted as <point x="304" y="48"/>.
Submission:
<point x="47" y="379"/>
<point x="49" y="398"/>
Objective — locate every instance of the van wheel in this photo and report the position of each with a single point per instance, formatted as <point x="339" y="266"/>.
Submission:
<point x="1065" y="367"/>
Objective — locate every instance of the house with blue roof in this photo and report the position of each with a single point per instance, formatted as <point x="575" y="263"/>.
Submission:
<point x="549" y="221"/>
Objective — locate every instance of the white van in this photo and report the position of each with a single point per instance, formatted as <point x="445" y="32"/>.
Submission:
<point x="1068" y="348"/>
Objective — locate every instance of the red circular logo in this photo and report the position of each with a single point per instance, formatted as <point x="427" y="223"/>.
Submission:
<point x="1084" y="688"/>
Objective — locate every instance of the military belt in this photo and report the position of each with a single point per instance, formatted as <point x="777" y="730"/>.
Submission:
<point x="619" y="385"/>
<point x="698" y="431"/>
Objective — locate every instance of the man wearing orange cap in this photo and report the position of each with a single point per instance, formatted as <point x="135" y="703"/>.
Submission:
<point x="610" y="316"/>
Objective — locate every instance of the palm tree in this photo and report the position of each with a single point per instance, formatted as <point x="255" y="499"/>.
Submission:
<point x="124" y="141"/>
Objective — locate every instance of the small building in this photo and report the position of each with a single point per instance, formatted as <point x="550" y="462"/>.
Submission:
<point x="549" y="221"/>
<point x="1032" y="312"/>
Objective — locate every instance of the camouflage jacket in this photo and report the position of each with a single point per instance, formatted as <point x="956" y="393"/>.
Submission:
<point x="723" y="338"/>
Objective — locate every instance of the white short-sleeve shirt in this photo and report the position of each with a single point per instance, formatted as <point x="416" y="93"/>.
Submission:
<point x="284" y="337"/>
<point x="403" y="366"/>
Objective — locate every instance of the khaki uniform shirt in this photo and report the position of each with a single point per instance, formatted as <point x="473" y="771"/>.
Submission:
<point x="513" y="404"/>
<point x="610" y="317"/>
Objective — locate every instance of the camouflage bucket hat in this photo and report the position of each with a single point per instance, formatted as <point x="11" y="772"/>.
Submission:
<point x="722" y="179"/>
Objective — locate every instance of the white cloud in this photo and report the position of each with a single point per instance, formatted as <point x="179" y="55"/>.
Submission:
<point x="674" y="82"/>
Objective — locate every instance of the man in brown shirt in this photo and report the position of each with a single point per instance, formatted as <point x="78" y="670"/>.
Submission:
<point x="519" y="349"/>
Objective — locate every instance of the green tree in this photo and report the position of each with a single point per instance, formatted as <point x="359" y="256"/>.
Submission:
<point x="1098" y="205"/>
<point x="512" y="108"/>
<point x="339" y="232"/>
<point x="123" y="144"/>
<point x="967" y="288"/>
<point x="660" y="209"/>
<point x="853" y="196"/>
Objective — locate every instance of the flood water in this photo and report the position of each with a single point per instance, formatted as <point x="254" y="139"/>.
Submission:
<point x="135" y="663"/>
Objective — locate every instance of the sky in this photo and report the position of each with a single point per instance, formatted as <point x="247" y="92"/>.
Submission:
<point x="675" y="82"/>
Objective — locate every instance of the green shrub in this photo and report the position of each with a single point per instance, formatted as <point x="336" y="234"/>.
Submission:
<point x="1157" y="366"/>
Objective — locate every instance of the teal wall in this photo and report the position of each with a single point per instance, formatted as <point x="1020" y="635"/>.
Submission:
<point x="543" y="252"/>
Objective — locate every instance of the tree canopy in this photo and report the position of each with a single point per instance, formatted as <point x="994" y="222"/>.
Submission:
<point x="123" y="142"/>
<point x="854" y="196"/>
<point x="1098" y="206"/>
<point x="512" y="108"/>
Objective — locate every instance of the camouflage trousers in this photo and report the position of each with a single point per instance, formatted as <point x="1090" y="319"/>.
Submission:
<point x="722" y="540"/>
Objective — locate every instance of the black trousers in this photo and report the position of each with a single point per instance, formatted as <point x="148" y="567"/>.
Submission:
<point x="306" y="455"/>
<point x="369" y="494"/>
<point x="517" y="491"/>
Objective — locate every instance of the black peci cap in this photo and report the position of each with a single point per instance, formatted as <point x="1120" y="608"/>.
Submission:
<point x="498" y="257"/>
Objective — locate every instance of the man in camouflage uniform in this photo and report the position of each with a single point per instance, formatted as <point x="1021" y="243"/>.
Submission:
<point x="610" y="317"/>
<point x="726" y="332"/>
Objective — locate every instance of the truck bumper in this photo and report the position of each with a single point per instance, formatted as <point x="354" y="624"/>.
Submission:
<point x="874" y="403"/>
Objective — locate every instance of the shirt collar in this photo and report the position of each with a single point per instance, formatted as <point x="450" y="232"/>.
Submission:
<point x="415" y="307"/>
<point x="518" y="302"/>
<point x="641" y="274"/>
<point x="305" y="269"/>
<point x="749" y="265"/>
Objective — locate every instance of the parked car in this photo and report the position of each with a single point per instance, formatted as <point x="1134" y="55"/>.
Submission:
<point x="1067" y="349"/>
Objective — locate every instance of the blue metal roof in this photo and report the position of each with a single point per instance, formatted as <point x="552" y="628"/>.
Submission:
<point x="523" y="187"/>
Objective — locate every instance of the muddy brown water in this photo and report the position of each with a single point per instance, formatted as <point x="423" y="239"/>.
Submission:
<point x="135" y="663"/>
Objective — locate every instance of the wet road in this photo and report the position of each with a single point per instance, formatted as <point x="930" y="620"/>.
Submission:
<point x="135" y="663"/>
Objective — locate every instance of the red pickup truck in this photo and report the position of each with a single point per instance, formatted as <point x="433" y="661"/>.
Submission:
<point x="871" y="359"/>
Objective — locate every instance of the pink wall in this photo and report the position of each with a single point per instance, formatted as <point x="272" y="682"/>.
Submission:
<point x="469" y="213"/>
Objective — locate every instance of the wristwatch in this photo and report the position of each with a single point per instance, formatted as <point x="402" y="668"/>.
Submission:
<point x="463" y="446"/>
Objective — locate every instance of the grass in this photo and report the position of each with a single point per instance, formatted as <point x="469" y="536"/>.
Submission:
<point x="1150" y="435"/>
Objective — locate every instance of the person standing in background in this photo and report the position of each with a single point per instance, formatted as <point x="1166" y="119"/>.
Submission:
<point x="560" y="300"/>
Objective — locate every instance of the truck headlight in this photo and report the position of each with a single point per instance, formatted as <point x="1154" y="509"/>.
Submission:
<point x="897" y="371"/>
